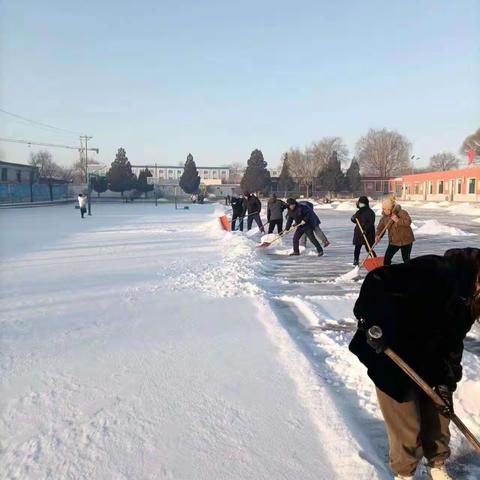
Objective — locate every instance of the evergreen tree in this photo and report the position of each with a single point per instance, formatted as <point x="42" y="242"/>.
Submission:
<point x="285" y="180"/>
<point x="142" y="183"/>
<point x="353" y="177"/>
<point x="256" y="177"/>
<point x="100" y="184"/>
<point x="120" y="176"/>
<point x="331" y="178"/>
<point x="190" y="180"/>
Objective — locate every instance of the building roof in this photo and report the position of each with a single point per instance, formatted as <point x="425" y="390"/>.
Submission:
<point x="473" y="171"/>
<point x="10" y="164"/>
<point x="177" y="167"/>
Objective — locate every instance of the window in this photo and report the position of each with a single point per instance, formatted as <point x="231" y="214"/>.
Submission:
<point x="471" y="185"/>
<point x="417" y="189"/>
<point x="378" y="186"/>
<point x="459" y="186"/>
<point x="19" y="176"/>
<point x="205" y="174"/>
<point x="215" y="174"/>
<point x="430" y="188"/>
<point x="440" y="186"/>
<point x="407" y="188"/>
<point x="4" y="174"/>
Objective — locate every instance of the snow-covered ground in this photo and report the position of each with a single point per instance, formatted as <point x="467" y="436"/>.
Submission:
<point x="144" y="342"/>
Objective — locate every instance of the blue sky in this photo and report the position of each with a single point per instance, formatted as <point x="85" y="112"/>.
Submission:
<point x="220" y="78"/>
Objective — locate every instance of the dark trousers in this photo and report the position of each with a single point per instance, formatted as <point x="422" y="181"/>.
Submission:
<point x="308" y="231"/>
<point x="234" y="220"/>
<point x="275" y="223"/>
<point x="393" y="249"/>
<point x="356" y="253"/>
<point x="83" y="211"/>
<point x="256" y="217"/>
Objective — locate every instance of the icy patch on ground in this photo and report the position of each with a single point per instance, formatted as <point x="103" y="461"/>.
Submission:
<point x="434" y="227"/>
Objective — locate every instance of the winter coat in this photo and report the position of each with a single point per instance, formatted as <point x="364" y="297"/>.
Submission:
<point x="400" y="233"/>
<point x="422" y="310"/>
<point x="310" y="205"/>
<point x="275" y="208"/>
<point x="251" y="204"/>
<point x="302" y="213"/>
<point x="82" y="202"/>
<point x="237" y="206"/>
<point x="366" y="217"/>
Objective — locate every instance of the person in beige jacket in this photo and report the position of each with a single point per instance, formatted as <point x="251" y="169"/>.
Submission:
<point x="400" y="234"/>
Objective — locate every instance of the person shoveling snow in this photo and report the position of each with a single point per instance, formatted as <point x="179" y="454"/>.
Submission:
<point x="306" y="220"/>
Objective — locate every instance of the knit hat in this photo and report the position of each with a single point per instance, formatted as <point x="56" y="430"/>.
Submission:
<point x="291" y="201"/>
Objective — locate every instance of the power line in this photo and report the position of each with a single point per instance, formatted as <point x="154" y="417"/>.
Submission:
<point x="34" y="122"/>
<point x="27" y="142"/>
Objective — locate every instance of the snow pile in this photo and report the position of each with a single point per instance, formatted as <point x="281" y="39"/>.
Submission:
<point x="476" y="220"/>
<point x="464" y="209"/>
<point x="323" y="206"/>
<point x="434" y="227"/>
<point x="430" y="206"/>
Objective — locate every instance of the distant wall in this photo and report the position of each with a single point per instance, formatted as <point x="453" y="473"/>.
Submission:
<point x="20" y="192"/>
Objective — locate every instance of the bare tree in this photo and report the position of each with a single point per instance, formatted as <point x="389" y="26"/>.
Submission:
<point x="79" y="170"/>
<point x="302" y="168"/>
<point x="472" y="141"/>
<point x="384" y="153"/>
<point x="236" y="172"/>
<point x="322" y="151"/>
<point x="48" y="170"/>
<point x="443" y="161"/>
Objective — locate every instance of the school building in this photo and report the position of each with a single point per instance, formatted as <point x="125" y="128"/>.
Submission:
<point x="461" y="185"/>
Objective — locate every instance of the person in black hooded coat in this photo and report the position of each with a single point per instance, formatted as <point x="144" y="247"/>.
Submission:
<point x="425" y="309"/>
<point x="366" y="217"/>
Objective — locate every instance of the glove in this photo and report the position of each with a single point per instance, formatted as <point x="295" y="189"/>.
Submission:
<point x="447" y="396"/>
<point x="377" y="344"/>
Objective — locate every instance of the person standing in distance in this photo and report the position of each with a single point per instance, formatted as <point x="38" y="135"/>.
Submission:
<point x="252" y="205"/>
<point x="82" y="203"/>
<point x="366" y="217"/>
<point x="275" y="208"/>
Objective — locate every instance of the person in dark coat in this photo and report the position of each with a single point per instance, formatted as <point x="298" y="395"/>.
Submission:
<point x="425" y="308"/>
<point x="237" y="212"/>
<point x="253" y="206"/>
<point x="321" y="237"/>
<point x="305" y="217"/>
<point x="366" y="217"/>
<point x="275" y="208"/>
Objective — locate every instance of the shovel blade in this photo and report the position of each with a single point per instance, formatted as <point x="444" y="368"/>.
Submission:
<point x="225" y="223"/>
<point x="373" y="263"/>
<point x="264" y="245"/>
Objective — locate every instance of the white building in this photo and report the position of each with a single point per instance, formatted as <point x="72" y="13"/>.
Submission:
<point x="171" y="172"/>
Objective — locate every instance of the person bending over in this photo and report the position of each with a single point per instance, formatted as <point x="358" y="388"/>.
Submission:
<point x="425" y="308"/>
<point x="306" y="220"/>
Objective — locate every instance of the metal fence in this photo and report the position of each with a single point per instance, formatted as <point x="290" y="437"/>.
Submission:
<point x="38" y="192"/>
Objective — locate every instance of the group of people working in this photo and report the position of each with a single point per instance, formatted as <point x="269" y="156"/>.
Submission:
<point x="424" y="308"/>
<point x="302" y="218"/>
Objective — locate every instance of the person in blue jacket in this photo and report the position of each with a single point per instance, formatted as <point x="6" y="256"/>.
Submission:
<point x="306" y="220"/>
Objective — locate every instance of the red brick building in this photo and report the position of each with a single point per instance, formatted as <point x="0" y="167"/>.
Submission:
<point x="461" y="185"/>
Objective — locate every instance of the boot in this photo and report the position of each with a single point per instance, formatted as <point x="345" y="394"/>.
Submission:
<point x="320" y="253"/>
<point x="326" y="243"/>
<point x="294" y="254"/>
<point x="438" y="473"/>
<point x="355" y="263"/>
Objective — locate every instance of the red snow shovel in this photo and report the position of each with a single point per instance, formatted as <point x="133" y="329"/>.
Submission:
<point x="375" y="336"/>
<point x="371" y="262"/>
<point x="278" y="237"/>
<point x="225" y="223"/>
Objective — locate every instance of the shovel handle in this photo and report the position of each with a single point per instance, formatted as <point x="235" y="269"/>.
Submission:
<point x="433" y="395"/>
<point x="376" y="243"/>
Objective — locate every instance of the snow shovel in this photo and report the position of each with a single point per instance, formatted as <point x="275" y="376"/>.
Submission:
<point x="278" y="237"/>
<point x="225" y="223"/>
<point x="375" y="335"/>
<point x="371" y="263"/>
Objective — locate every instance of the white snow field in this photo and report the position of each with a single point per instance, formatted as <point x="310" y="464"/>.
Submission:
<point x="145" y="343"/>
